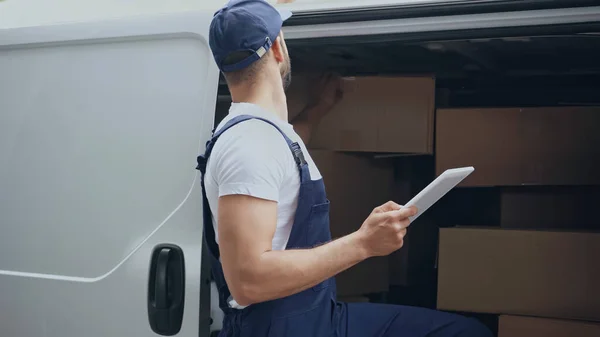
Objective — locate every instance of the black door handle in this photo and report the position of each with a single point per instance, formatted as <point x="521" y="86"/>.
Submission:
<point x="166" y="289"/>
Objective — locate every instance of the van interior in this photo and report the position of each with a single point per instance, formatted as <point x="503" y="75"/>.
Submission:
<point x="494" y="77"/>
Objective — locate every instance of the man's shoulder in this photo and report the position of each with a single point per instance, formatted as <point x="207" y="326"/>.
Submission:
<point x="251" y="158"/>
<point x="252" y="132"/>
<point x="252" y="145"/>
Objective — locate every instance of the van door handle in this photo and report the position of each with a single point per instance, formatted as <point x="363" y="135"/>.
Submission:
<point x="166" y="289"/>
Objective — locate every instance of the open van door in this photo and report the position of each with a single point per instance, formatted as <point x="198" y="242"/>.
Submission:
<point x="314" y="12"/>
<point x="100" y="201"/>
<point x="324" y="22"/>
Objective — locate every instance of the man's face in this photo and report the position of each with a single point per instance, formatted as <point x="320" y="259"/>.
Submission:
<point x="286" y="66"/>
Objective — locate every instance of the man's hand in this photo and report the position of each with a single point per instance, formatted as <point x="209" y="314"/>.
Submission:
<point x="383" y="231"/>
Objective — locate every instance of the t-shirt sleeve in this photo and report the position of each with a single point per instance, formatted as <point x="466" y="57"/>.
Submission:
<point x="251" y="159"/>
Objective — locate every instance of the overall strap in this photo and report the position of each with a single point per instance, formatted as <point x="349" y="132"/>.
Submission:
<point x="203" y="159"/>
<point x="294" y="147"/>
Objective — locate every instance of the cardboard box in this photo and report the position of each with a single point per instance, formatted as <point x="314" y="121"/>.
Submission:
<point x="562" y="146"/>
<point x="355" y="185"/>
<point x="550" y="208"/>
<point x="520" y="272"/>
<point x="380" y="114"/>
<point x="514" y="146"/>
<point x="487" y="139"/>
<point x="519" y="326"/>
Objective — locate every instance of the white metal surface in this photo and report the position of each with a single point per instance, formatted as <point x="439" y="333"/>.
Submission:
<point x="447" y="23"/>
<point x="28" y="13"/>
<point x="31" y="13"/>
<point x="99" y="127"/>
<point x="318" y="5"/>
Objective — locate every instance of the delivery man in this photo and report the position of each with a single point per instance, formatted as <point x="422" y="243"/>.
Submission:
<point x="266" y="212"/>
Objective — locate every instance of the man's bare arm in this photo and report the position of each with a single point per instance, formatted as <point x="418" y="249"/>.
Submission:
<point x="304" y="124"/>
<point x="325" y="94"/>
<point x="255" y="273"/>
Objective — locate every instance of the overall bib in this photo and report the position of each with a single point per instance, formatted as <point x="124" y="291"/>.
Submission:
<point x="315" y="312"/>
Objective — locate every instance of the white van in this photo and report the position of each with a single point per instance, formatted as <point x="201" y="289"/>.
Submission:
<point x="101" y="121"/>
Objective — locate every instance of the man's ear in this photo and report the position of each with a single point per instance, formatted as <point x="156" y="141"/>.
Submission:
<point x="278" y="51"/>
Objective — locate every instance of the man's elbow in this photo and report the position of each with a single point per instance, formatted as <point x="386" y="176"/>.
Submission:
<point x="247" y="284"/>
<point x="246" y="293"/>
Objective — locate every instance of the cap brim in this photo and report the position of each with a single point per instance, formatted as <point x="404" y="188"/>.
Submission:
<point x="285" y="14"/>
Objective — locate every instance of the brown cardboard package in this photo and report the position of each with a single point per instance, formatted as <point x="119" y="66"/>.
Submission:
<point x="514" y="146"/>
<point x="520" y="326"/>
<point x="380" y="114"/>
<point x="520" y="272"/>
<point x="550" y="208"/>
<point x="355" y="185"/>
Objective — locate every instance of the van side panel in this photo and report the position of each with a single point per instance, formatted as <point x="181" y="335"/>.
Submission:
<point x="100" y="124"/>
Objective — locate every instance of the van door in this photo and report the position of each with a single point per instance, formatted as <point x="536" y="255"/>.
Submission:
<point x="314" y="12"/>
<point x="323" y="23"/>
<point x="100" y="202"/>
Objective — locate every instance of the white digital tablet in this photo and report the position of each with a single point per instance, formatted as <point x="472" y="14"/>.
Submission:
<point x="437" y="189"/>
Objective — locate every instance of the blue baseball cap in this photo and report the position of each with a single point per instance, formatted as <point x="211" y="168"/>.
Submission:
<point x="244" y="26"/>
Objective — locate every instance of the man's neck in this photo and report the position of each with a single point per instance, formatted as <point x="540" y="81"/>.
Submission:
<point x="268" y="97"/>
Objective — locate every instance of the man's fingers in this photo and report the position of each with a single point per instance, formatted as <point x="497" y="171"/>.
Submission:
<point x="401" y="214"/>
<point x="401" y="226"/>
<point x="388" y="207"/>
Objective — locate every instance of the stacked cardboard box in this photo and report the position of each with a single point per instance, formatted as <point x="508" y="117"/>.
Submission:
<point x="539" y="273"/>
<point x="521" y="272"/>
<point x="521" y="146"/>
<point x="376" y="114"/>
<point x="537" y="262"/>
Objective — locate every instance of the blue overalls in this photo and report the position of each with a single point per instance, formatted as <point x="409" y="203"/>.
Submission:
<point x="315" y="311"/>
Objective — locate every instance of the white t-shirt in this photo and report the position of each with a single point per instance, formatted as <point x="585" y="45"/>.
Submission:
<point x="252" y="158"/>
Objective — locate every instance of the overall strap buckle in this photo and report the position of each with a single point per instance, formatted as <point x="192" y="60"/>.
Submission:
<point x="298" y="155"/>
<point x="201" y="164"/>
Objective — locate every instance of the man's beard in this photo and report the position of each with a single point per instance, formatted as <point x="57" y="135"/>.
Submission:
<point x="286" y="74"/>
